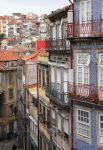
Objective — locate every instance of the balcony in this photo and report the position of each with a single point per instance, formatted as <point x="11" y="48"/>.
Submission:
<point x="54" y="92"/>
<point x="59" y="45"/>
<point x="61" y="140"/>
<point x="86" y="93"/>
<point x="45" y="131"/>
<point x="85" y="29"/>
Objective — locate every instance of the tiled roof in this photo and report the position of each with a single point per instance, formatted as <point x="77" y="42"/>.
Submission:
<point x="12" y="22"/>
<point x="9" y="39"/>
<point x="33" y="56"/>
<point x="17" y="49"/>
<point x="7" y="55"/>
<point x="4" y="17"/>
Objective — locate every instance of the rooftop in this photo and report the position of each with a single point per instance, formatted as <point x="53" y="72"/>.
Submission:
<point x="7" y="56"/>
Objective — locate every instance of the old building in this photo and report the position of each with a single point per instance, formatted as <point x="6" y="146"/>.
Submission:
<point x="86" y="91"/>
<point x="44" y="103"/>
<point x="59" y="68"/>
<point x="8" y="94"/>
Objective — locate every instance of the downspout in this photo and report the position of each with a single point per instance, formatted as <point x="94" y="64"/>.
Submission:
<point x="71" y="101"/>
<point x="38" y="100"/>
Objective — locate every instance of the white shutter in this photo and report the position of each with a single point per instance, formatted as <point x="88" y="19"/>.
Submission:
<point x="101" y="9"/>
<point x="58" y="75"/>
<point x="71" y="75"/>
<point x="60" y="31"/>
<point x="59" y="122"/>
<point x="52" y="74"/>
<point x="79" y="74"/>
<point x="65" y="79"/>
<point x="66" y="126"/>
<point x="88" y="10"/>
<point x="54" y="32"/>
<point x="53" y="114"/>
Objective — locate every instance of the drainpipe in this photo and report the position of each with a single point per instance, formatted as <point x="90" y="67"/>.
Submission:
<point x="38" y="100"/>
<point x="71" y="101"/>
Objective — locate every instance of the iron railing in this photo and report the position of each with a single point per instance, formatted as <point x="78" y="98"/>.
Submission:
<point x="59" y="45"/>
<point x="93" y="28"/>
<point x="89" y="93"/>
<point x="55" y="92"/>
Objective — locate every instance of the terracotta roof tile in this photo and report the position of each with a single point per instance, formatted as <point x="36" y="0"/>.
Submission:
<point x="7" y="56"/>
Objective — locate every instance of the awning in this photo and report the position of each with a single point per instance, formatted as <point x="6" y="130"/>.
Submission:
<point x="32" y="141"/>
<point x="31" y="118"/>
<point x="33" y="91"/>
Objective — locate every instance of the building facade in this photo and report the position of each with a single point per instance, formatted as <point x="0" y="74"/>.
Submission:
<point x="86" y="92"/>
<point x="8" y="95"/>
<point x="59" y="67"/>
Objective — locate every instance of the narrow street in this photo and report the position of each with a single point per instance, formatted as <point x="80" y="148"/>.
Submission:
<point x="7" y="145"/>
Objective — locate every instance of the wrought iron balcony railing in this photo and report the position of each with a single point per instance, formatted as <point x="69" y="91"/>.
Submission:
<point x="59" y="45"/>
<point x="56" y="94"/>
<point x="87" y="93"/>
<point x="93" y="28"/>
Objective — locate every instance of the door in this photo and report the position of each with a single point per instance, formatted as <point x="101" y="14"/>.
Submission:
<point x="85" y="18"/>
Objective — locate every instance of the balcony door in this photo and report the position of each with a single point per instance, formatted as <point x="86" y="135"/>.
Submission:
<point x="85" y="18"/>
<point x="65" y="85"/>
<point x="82" y="78"/>
<point x="100" y="89"/>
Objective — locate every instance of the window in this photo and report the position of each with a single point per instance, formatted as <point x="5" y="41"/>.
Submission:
<point x="10" y="93"/>
<point x="43" y="78"/>
<point x="83" y="68"/>
<point x="40" y="77"/>
<point x="10" y="77"/>
<point x="101" y="129"/>
<point x="47" y="77"/>
<point x="101" y="70"/>
<point x="83" y="123"/>
<point x="85" y="10"/>
<point x="0" y="77"/>
<point x="101" y="9"/>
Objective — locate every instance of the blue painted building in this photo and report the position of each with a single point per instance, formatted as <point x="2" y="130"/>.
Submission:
<point x="86" y="92"/>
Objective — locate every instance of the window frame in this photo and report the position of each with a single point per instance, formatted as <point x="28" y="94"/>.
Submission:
<point x="11" y="97"/>
<point x="99" y="67"/>
<point x="83" y="70"/>
<point x="100" y="128"/>
<point x="83" y="123"/>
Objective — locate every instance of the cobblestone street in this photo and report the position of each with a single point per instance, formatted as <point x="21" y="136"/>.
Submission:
<point x="7" y="145"/>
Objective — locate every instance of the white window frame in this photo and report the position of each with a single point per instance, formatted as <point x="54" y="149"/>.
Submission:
<point x="100" y="66"/>
<point x="101" y="9"/>
<point x="83" y="123"/>
<point x="83" y="68"/>
<point x="100" y="129"/>
<point x="85" y="13"/>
